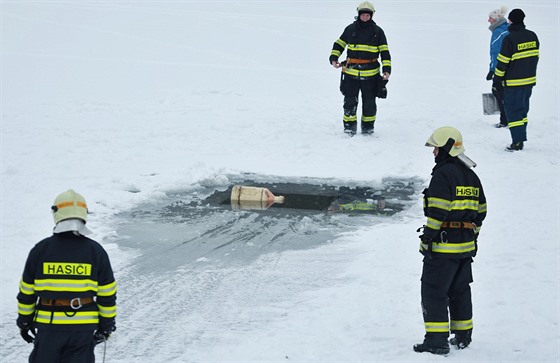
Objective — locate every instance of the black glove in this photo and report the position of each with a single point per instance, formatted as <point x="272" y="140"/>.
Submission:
<point x="497" y="85"/>
<point x="26" y="330"/>
<point x="382" y="88"/>
<point x="490" y="75"/>
<point x="101" y="335"/>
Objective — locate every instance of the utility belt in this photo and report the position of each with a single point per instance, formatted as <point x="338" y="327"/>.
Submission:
<point x="75" y="303"/>
<point x="360" y="61"/>
<point x="462" y="225"/>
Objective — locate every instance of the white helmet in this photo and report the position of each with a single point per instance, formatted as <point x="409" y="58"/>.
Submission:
<point x="69" y="205"/>
<point x="449" y="139"/>
<point x="366" y="7"/>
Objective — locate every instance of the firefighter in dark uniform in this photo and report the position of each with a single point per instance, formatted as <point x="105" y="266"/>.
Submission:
<point x="67" y="295"/>
<point x="455" y="206"/>
<point x="516" y="74"/>
<point x="362" y="70"/>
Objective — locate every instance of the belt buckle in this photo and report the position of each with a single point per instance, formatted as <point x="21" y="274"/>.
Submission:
<point x="79" y="303"/>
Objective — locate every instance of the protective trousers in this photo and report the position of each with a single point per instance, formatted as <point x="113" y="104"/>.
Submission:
<point x="69" y="346"/>
<point x="351" y="90"/>
<point x="445" y="282"/>
<point x="516" y="103"/>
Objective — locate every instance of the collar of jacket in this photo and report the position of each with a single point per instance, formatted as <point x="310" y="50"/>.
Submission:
<point x="498" y="23"/>
<point x="516" y="27"/>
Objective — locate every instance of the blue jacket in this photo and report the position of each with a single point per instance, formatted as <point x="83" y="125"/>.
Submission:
<point x="499" y="31"/>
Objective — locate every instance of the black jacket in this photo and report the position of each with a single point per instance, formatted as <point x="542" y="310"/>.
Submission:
<point x="365" y="41"/>
<point x="518" y="58"/>
<point x="68" y="266"/>
<point x="455" y="194"/>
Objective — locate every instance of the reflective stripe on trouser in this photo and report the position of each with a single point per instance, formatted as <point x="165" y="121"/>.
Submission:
<point x="445" y="284"/>
<point x="516" y="104"/>
<point x="369" y="107"/>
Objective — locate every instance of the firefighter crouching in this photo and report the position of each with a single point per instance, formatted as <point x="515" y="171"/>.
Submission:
<point x="455" y="206"/>
<point x="67" y="296"/>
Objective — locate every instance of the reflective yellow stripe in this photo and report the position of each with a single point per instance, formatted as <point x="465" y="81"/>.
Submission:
<point x="368" y="118"/>
<point x="61" y="318"/>
<point x="436" y="327"/>
<point x="107" y="290"/>
<point x="433" y="223"/>
<point x="521" y="81"/>
<point x="439" y="203"/>
<point x="464" y="204"/>
<point x="336" y="53"/>
<point x="451" y="247"/>
<point x="25" y="288"/>
<point x="386" y="63"/>
<point x="107" y="311"/>
<point x="350" y="118"/>
<point x="26" y="309"/>
<point x="517" y="123"/>
<point x="461" y="324"/>
<point x="482" y="208"/>
<point x="361" y="73"/>
<point x="66" y="285"/>
<point x="383" y="47"/>
<point x="502" y="58"/>
<point x="526" y="54"/>
<point x="341" y="42"/>
<point x="499" y="73"/>
<point x="363" y="48"/>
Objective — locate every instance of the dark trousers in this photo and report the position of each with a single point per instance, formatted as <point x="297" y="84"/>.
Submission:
<point x="446" y="284"/>
<point x="499" y="94"/>
<point x="516" y="102"/>
<point x="53" y="346"/>
<point x="351" y="89"/>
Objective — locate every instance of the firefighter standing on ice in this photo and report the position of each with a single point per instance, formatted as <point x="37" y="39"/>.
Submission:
<point x="516" y="74"/>
<point x="455" y="206"/>
<point x="362" y="70"/>
<point x="67" y="295"/>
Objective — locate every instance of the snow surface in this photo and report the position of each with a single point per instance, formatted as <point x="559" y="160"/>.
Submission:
<point x="127" y="100"/>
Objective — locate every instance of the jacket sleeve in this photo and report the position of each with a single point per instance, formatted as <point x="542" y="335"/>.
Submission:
<point x="504" y="58"/>
<point x="26" y="297"/>
<point x="481" y="215"/>
<point x="106" y="294"/>
<point x="338" y="47"/>
<point x="384" y="52"/>
<point x="438" y="204"/>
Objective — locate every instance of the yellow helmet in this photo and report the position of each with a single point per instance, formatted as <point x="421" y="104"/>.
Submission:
<point x="69" y="205"/>
<point x="366" y="6"/>
<point x="449" y="139"/>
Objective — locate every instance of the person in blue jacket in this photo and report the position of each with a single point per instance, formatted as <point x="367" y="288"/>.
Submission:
<point x="499" y="28"/>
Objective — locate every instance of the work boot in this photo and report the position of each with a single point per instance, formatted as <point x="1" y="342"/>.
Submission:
<point x="460" y="341"/>
<point x="425" y="347"/>
<point x="350" y="128"/>
<point x="500" y="125"/>
<point x="516" y="146"/>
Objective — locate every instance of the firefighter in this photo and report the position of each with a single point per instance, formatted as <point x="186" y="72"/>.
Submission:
<point x="455" y="206"/>
<point x="67" y="295"/>
<point x="516" y="74"/>
<point x="363" y="70"/>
